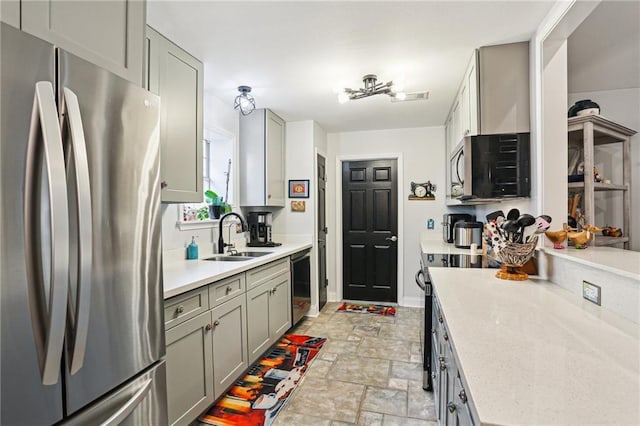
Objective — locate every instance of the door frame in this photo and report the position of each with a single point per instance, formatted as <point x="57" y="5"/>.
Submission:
<point x="315" y="295"/>
<point x="338" y="234"/>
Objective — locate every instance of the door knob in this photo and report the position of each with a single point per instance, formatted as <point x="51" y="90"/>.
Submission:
<point x="394" y="238"/>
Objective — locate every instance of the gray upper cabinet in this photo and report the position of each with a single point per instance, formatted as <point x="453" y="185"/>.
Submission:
<point x="503" y="76"/>
<point x="178" y="78"/>
<point x="262" y="142"/>
<point x="10" y="12"/>
<point x="109" y="33"/>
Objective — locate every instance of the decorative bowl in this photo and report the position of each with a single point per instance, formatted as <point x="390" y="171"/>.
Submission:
<point x="557" y="238"/>
<point x="513" y="256"/>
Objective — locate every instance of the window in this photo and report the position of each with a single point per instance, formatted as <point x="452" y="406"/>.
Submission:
<point x="218" y="155"/>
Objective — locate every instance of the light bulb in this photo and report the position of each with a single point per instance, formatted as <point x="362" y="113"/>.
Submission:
<point x="401" y="96"/>
<point x="343" y="98"/>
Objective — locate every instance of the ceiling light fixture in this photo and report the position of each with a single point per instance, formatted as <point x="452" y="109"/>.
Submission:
<point x="371" y="87"/>
<point x="244" y="101"/>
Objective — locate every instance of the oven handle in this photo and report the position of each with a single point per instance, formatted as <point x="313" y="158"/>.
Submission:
<point x="419" y="281"/>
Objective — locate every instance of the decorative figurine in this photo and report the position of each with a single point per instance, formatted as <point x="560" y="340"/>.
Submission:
<point x="422" y="191"/>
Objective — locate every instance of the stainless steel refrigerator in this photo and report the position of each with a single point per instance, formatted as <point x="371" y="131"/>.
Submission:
<point x="80" y="243"/>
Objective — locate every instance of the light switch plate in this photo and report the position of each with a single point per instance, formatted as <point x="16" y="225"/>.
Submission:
<point x="591" y="292"/>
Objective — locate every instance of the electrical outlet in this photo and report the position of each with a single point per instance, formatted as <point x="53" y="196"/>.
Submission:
<point x="591" y="292"/>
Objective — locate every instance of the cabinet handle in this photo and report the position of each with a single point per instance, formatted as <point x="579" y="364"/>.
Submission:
<point x="440" y="320"/>
<point x="269" y="196"/>
<point x="216" y="323"/>
<point x="443" y="366"/>
<point x="433" y="375"/>
<point x="229" y="289"/>
<point x="274" y="290"/>
<point x="208" y="327"/>
<point x="163" y="184"/>
<point x="446" y="336"/>
<point x="433" y="331"/>
<point x="180" y="309"/>
<point x="463" y="396"/>
<point x="451" y="407"/>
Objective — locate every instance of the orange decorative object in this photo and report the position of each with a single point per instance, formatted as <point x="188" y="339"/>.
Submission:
<point x="557" y="238"/>
<point x="581" y="239"/>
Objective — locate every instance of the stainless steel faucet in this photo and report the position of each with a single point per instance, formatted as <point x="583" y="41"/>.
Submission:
<point x="221" y="243"/>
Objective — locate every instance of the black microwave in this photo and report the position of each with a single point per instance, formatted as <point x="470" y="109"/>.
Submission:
<point x="491" y="166"/>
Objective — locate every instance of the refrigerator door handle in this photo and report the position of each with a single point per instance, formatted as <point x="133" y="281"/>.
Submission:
<point x="48" y="313"/>
<point x="78" y="320"/>
<point x="124" y="411"/>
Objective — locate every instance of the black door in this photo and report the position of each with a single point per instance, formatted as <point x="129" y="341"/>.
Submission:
<point x="322" y="234"/>
<point x="369" y="230"/>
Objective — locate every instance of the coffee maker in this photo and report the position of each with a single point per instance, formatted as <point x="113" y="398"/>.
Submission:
<point x="260" y="229"/>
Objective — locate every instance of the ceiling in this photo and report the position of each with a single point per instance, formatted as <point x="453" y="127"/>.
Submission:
<point x="296" y="55"/>
<point x="602" y="55"/>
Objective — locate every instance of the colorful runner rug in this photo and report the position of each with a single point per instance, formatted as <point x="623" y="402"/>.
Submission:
<point x="367" y="309"/>
<point x="256" y="398"/>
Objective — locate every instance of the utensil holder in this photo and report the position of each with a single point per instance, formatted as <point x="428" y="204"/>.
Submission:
<point x="513" y="256"/>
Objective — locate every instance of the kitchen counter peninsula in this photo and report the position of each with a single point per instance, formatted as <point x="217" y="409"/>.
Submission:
<point x="610" y="259"/>
<point x="531" y="352"/>
<point x="180" y="276"/>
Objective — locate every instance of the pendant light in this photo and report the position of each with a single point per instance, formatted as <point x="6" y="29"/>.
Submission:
<point x="244" y="101"/>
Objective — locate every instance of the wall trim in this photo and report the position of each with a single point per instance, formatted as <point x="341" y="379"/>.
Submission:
<point x="338" y="197"/>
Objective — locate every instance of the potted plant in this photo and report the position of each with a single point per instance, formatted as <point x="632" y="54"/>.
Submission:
<point x="216" y="204"/>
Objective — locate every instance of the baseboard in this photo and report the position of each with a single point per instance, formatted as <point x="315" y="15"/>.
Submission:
<point x="413" y="302"/>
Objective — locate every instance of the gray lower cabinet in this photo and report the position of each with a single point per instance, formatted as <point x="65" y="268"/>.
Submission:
<point x="453" y="405"/>
<point x="268" y="313"/>
<point x="108" y="33"/>
<point x="178" y="78"/>
<point x="229" y="335"/>
<point x="213" y="333"/>
<point x="190" y="387"/>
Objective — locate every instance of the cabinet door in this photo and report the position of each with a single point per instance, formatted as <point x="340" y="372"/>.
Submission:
<point x="109" y="34"/>
<point x="456" y="132"/>
<point x="229" y="342"/>
<point x="464" y="109"/>
<point x="10" y="12"/>
<point x="178" y="78"/>
<point x="279" y="306"/>
<point x="472" y="90"/>
<point x="274" y="159"/>
<point x="189" y="369"/>
<point x="258" y="336"/>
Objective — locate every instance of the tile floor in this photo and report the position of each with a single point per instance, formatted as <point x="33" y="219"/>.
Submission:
<point x="368" y="373"/>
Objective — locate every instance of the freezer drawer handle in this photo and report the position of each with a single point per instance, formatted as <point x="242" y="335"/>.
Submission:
<point x="78" y="321"/>
<point x="124" y="411"/>
<point x="48" y="322"/>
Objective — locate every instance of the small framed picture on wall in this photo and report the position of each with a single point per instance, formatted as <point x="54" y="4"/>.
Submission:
<point x="299" y="188"/>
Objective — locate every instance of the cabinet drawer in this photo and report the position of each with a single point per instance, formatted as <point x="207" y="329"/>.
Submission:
<point x="224" y="290"/>
<point x="181" y="308"/>
<point x="264" y="273"/>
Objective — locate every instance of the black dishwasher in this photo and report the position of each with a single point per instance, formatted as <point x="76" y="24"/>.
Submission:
<point x="301" y="285"/>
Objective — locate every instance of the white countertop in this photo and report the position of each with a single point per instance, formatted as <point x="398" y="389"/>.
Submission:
<point x="532" y="353"/>
<point x="610" y="259"/>
<point x="440" y="247"/>
<point x="181" y="276"/>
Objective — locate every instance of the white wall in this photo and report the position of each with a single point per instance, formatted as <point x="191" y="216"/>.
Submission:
<point x="423" y="158"/>
<point x="302" y="140"/>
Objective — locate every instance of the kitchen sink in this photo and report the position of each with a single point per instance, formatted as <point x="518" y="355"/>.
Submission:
<point x="238" y="257"/>
<point x="252" y="253"/>
<point x="234" y="258"/>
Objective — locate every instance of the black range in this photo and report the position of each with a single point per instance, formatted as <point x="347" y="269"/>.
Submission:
<point x="423" y="280"/>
